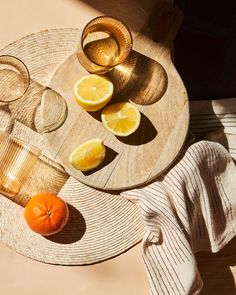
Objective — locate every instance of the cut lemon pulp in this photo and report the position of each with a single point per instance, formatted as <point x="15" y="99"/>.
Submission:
<point x="88" y="155"/>
<point x="121" y="118"/>
<point x="93" y="92"/>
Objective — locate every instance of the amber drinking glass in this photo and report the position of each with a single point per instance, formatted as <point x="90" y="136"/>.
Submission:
<point x="17" y="159"/>
<point x="105" y="42"/>
<point x="14" y="78"/>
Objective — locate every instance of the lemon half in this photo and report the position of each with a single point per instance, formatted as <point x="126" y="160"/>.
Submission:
<point x="93" y="92"/>
<point x="122" y="118"/>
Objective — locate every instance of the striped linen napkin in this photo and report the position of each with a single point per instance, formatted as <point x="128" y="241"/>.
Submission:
<point x="192" y="206"/>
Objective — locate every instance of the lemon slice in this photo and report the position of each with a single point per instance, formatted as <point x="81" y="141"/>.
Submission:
<point x="93" y="92"/>
<point x="88" y="155"/>
<point x="121" y="118"/>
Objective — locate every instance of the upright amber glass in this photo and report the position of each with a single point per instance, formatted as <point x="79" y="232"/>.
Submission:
<point x="14" y="78"/>
<point x="17" y="159"/>
<point x="105" y="42"/>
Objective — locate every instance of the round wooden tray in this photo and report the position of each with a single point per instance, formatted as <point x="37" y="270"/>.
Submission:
<point x="147" y="74"/>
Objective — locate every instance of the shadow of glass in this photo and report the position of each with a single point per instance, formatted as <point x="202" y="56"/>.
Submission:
<point x="110" y="156"/>
<point x="139" y="79"/>
<point x="144" y="134"/>
<point x="74" y="229"/>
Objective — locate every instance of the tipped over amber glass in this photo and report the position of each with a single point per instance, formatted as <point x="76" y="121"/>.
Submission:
<point x="105" y="43"/>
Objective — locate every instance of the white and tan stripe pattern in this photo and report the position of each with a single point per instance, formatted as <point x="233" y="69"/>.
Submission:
<point x="192" y="207"/>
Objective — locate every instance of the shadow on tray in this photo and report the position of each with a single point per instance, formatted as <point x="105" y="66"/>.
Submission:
<point x="139" y="79"/>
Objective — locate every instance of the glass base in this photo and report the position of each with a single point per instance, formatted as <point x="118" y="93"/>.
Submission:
<point x="9" y="187"/>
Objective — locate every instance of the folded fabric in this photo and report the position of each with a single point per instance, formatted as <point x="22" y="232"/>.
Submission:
<point x="192" y="206"/>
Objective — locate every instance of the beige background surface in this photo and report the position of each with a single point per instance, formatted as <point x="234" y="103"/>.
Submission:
<point x="124" y="274"/>
<point x="19" y="275"/>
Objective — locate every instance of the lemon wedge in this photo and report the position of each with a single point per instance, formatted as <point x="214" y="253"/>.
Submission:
<point x="122" y="118"/>
<point x="88" y="155"/>
<point x="93" y="92"/>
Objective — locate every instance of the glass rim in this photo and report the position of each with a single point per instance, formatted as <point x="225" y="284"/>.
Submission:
<point x="26" y="70"/>
<point x="22" y="143"/>
<point x="104" y="17"/>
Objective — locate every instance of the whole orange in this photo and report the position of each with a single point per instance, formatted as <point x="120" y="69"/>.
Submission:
<point x="46" y="214"/>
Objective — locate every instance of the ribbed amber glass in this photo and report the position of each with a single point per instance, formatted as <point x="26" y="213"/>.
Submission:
<point x="105" y="42"/>
<point x="17" y="159"/>
<point x="14" y="78"/>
